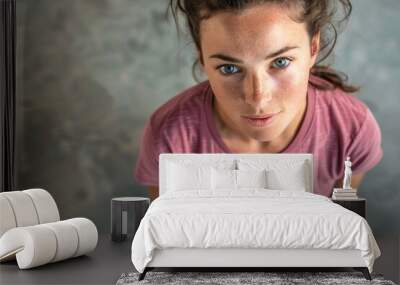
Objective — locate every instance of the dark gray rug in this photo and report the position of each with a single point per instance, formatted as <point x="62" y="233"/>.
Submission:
<point x="273" y="278"/>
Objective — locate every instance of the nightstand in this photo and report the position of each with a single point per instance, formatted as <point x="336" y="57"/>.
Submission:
<point x="358" y="205"/>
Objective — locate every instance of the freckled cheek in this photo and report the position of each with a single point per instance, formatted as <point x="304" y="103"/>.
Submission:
<point x="231" y="88"/>
<point x="229" y="98"/>
<point x="227" y="90"/>
<point x="291" y="87"/>
<point x="222" y="88"/>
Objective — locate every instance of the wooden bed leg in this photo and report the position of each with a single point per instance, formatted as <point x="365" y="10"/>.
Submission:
<point x="143" y="274"/>
<point x="364" y="271"/>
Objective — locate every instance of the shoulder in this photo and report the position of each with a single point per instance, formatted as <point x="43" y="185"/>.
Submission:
<point x="184" y="109"/>
<point x="341" y="111"/>
<point x="168" y="130"/>
<point x="349" y="123"/>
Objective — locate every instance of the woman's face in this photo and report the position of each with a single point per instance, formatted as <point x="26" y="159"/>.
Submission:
<point x="258" y="63"/>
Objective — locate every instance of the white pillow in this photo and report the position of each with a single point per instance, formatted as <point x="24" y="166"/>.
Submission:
<point x="251" y="178"/>
<point x="182" y="177"/>
<point x="281" y="174"/>
<point x="223" y="179"/>
<point x="294" y="180"/>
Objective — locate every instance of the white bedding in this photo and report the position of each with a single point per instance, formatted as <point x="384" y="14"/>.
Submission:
<point x="251" y="218"/>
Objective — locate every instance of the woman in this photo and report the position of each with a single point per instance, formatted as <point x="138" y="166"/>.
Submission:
<point x="266" y="91"/>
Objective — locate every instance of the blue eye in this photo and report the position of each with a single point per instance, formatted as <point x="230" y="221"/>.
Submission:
<point x="228" y="69"/>
<point x="281" y="62"/>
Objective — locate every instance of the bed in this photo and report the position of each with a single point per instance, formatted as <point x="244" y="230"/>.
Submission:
<point x="247" y="211"/>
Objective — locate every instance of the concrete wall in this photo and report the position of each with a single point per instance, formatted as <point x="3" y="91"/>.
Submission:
<point x="90" y="72"/>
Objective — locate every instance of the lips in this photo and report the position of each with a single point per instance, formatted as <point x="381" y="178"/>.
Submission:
<point x="259" y="118"/>
<point x="263" y="117"/>
<point x="260" y="121"/>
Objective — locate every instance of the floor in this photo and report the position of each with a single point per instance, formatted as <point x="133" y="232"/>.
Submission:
<point x="103" y="266"/>
<point x="111" y="259"/>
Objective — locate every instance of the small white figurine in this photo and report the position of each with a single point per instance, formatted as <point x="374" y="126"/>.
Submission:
<point x="347" y="174"/>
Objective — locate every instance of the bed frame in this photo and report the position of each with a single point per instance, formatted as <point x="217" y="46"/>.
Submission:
<point x="235" y="259"/>
<point x="248" y="259"/>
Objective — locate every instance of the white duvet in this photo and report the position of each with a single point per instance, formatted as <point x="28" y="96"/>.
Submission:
<point x="251" y="218"/>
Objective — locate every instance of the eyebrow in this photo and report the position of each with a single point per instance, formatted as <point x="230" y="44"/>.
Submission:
<point x="232" y="59"/>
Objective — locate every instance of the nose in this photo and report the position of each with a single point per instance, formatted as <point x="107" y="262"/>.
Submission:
<point x="257" y="90"/>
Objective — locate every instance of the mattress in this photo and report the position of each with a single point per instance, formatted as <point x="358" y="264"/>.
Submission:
<point x="250" y="218"/>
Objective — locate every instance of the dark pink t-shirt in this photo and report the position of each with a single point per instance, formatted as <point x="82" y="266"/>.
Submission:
<point x="336" y="125"/>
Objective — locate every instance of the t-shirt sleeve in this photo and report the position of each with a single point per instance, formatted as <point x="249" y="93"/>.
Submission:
<point x="146" y="169"/>
<point x="365" y="150"/>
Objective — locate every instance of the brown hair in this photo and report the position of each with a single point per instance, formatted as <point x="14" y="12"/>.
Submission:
<point x="319" y="15"/>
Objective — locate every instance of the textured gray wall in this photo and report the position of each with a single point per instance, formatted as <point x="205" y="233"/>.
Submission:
<point x="368" y="52"/>
<point x="92" y="71"/>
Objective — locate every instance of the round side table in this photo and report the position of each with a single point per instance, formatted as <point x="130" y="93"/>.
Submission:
<point x="126" y="214"/>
